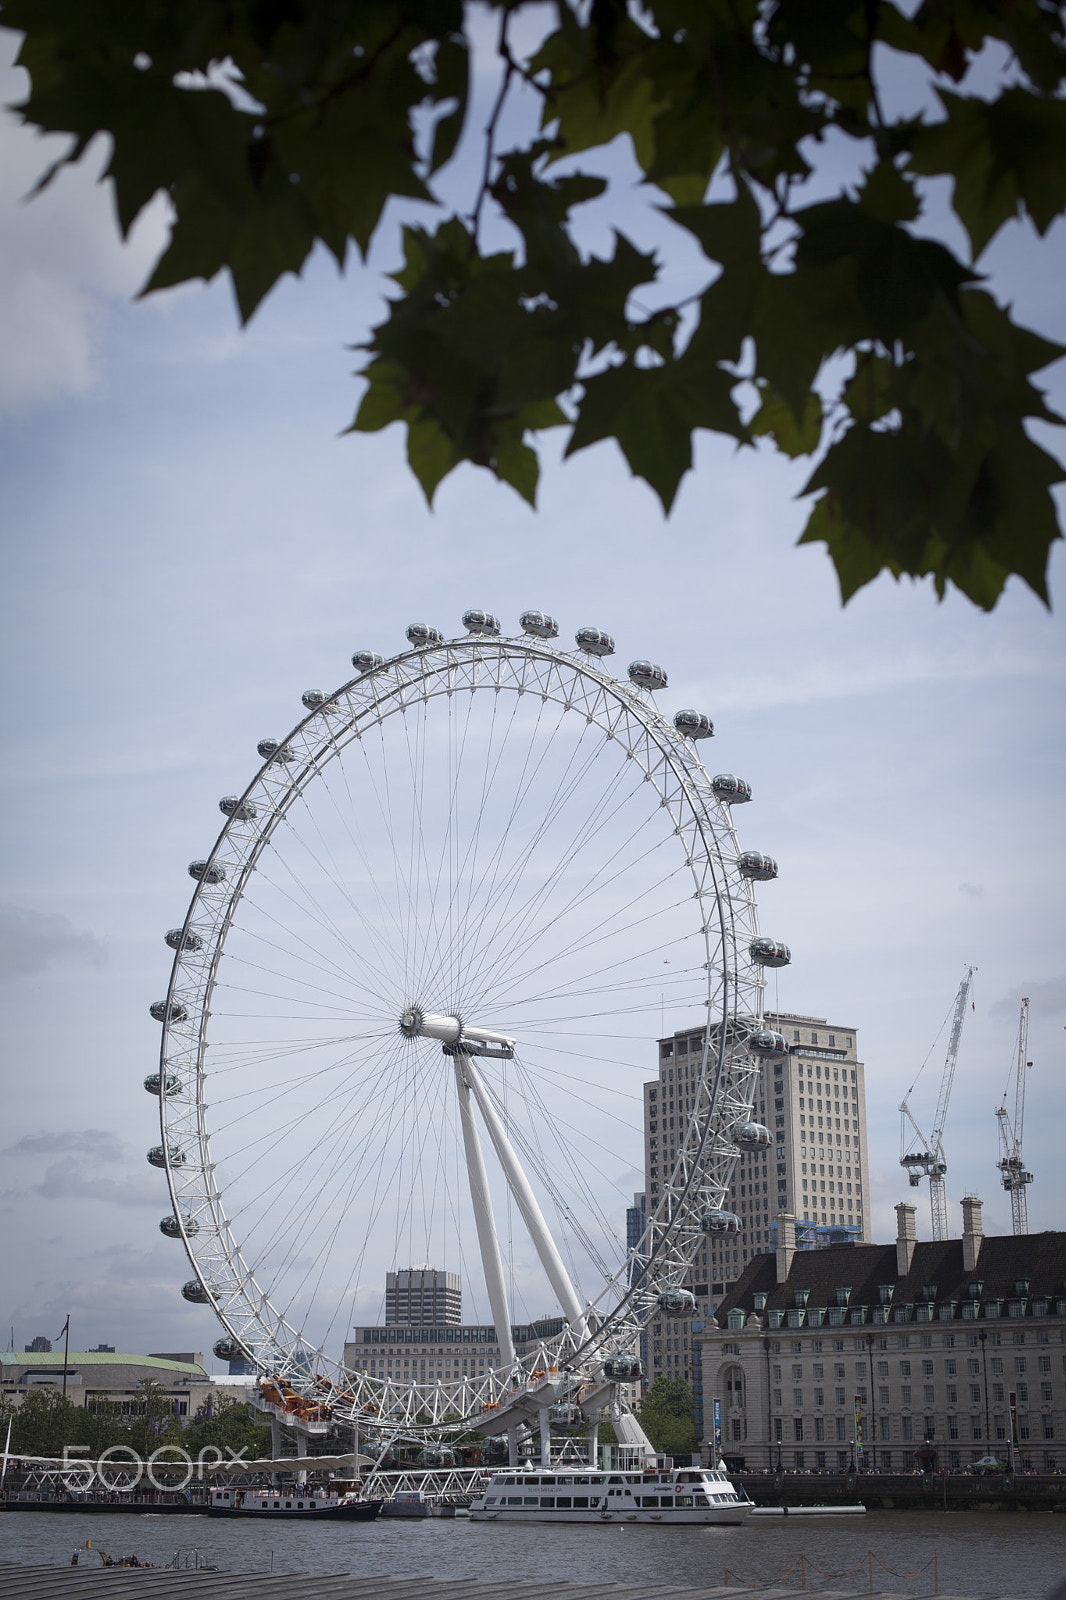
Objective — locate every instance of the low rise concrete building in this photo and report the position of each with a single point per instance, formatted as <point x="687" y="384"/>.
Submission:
<point x="97" y="1377"/>
<point x="891" y="1357"/>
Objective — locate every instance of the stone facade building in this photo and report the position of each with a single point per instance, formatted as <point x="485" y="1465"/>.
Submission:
<point x="889" y="1357"/>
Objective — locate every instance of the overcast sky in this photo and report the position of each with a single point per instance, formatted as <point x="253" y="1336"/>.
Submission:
<point x="188" y="545"/>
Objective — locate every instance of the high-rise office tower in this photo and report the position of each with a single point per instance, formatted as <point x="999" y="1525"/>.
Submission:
<point x="423" y="1297"/>
<point x="814" y="1105"/>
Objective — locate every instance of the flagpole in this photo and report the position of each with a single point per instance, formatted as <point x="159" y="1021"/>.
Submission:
<point x="66" y="1352"/>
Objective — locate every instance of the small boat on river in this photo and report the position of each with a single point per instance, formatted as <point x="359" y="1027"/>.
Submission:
<point x="307" y="1503"/>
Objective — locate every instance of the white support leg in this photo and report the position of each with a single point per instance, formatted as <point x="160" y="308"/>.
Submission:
<point x="545" y="1437"/>
<point x="594" y="1439"/>
<point x="526" y="1201"/>
<point x="486" y="1228"/>
<point x="512" y="1444"/>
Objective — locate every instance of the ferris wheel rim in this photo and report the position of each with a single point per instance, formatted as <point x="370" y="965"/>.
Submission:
<point x="426" y="664"/>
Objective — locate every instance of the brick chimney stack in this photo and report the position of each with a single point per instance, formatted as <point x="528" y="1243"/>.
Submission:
<point x="906" y="1237"/>
<point x="972" y="1232"/>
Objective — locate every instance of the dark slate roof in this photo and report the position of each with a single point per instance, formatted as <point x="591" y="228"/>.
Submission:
<point x="864" y="1268"/>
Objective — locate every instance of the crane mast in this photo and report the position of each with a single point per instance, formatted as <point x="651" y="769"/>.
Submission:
<point x="1011" y="1163"/>
<point x="928" y="1159"/>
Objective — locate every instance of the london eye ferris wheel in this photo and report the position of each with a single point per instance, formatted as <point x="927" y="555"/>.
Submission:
<point x="410" y="1011"/>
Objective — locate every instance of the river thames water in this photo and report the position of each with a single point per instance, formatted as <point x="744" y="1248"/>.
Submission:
<point x="1021" y="1556"/>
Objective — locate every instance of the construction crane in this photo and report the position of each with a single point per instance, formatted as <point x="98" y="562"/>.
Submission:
<point x="927" y="1159"/>
<point x="1010" y="1163"/>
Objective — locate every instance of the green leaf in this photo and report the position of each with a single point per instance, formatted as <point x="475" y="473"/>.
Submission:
<point x="776" y="417"/>
<point x="652" y="412"/>
<point x="1005" y="157"/>
<point x="516" y="463"/>
<point x="430" y="453"/>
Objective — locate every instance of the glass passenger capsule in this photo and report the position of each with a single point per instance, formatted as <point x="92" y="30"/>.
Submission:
<point x="753" y="864"/>
<point x="750" y="1135"/>
<point x="566" y="1416"/>
<point x="315" y="699"/>
<point x="676" y="1302"/>
<point x="365" y="661"/>
<point x="173" y="1228"/>
<point x="734" y="791"/>
<point x="274" y="750"/>
<point x="175" y="1012"/>
<point x="157" y="1156"/>
<point x="714" y="1220"/>
<point x="421" y="634"/>
<point x="693" y="724"/>
<point x="481" y="622"/>
<point x="769" y="952"/>
<point x="768" y="1043"/>
<point x="152" y="1082"/>
<point x="646" y="675"/>
<point x="195" y="1293"/>
<point x="539" y="625"/>
<point x="207" y="871"/>
<point x="594" y="642"/>
<point x="622" y="1369"/>
<point x="240" y="810"/>
<point x="229" y="1350"/>
<point x="191" y="941"/>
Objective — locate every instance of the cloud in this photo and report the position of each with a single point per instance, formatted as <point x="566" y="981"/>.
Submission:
<point x="87" y="1164"/>
<point x="63" y="260"/>
<point x="1045" y="999"/>
<point x="30" y="941"/>
<point x="97" y="1143"/>
<point x="975" y="891"/>
<point x="62" y="1181"/>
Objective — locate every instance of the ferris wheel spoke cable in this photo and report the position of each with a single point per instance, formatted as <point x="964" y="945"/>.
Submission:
<point x="313" y="1191"/>
<point x="587" y="942"/>
<point x="653" y="983"/>
<point x="530" y="1146"/>
<point x="487" y="928"/>
<point x="360" y="958"/>
<point x="309" y="907"/>
<point x="317" y="959"/>
<point x="342" y="1209"/>
<point x="530" y="931"/>
<point x="388" y="920"/>
<point x="278" y="1089"/>
<point x="455" y="912"/>
<point x="480" y="885"/>
<point x="383" y="804"/>
<point x="521" y="795"/>
<point x="268" y="1140"/>
<point x="489" y="931"/>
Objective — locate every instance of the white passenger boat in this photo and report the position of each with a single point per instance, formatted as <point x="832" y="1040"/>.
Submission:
<point x="684" y="1495"/>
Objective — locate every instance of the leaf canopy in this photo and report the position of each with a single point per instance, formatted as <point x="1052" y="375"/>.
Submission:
<point x="828" y="326"/>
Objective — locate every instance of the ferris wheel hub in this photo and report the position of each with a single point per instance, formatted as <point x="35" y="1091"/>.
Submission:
<point x="454" y="1034"/>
